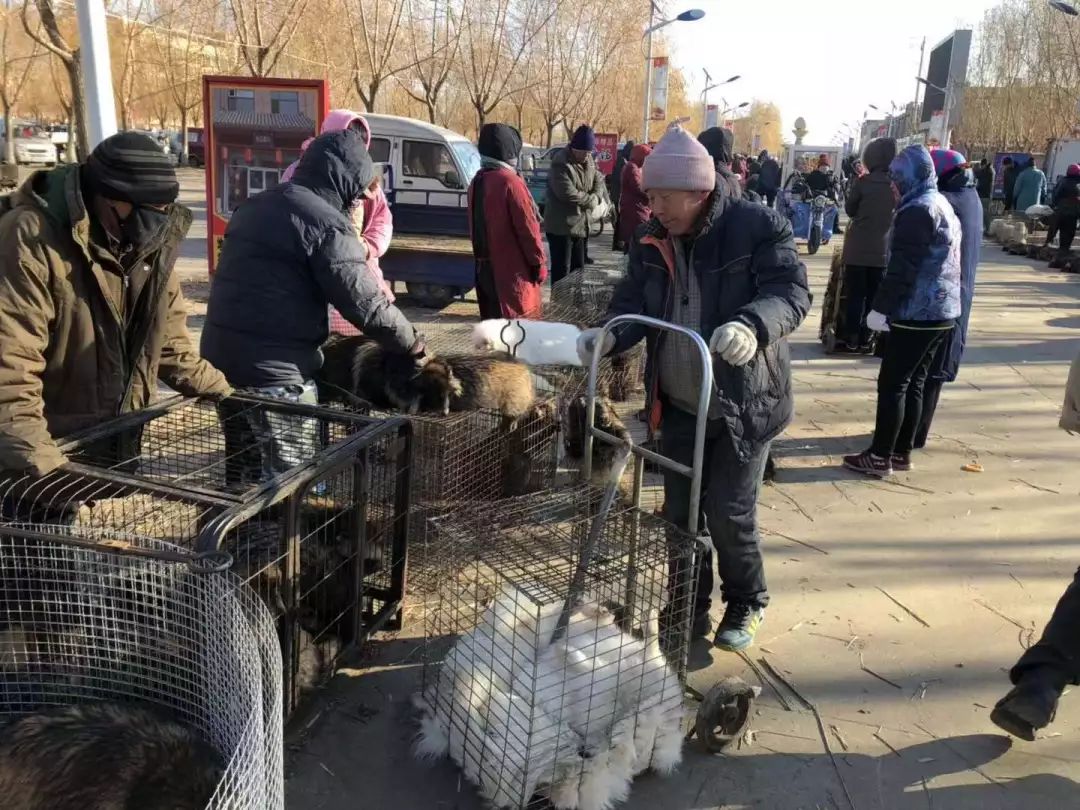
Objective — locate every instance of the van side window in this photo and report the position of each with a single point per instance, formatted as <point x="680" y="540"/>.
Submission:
<point x="424" y="159"/>
<point x="380" y="150"/>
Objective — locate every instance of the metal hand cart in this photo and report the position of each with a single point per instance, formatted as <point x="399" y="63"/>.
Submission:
<point x="725" y="709"/>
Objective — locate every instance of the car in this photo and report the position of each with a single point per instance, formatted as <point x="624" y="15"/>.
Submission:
<point x="33" y="146"/>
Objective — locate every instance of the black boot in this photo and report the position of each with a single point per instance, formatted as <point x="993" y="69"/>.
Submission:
<point x="1030" y="705"/>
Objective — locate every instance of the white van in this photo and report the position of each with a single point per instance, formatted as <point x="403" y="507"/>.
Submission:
<point x="426" y="173"/>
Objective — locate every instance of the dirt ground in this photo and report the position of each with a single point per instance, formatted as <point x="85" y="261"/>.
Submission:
<point x="897" y="607"/>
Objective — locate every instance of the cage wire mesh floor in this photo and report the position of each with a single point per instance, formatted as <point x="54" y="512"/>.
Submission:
<point x="311" y="504"/>
<point x="143" y="644"/>
<point x="532" y="717"/>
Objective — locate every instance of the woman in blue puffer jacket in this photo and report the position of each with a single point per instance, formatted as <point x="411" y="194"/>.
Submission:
<point x="918" y="303"/>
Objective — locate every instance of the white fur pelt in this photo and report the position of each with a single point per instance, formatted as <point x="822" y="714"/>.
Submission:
<point x="576" y="720"/>
<point x="536" y="343"/>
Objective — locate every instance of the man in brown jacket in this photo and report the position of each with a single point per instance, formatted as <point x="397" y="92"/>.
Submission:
<point x="91" y="314"/>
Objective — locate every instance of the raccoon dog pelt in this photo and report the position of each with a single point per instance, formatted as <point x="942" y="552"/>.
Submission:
<point x="105" y="756"/>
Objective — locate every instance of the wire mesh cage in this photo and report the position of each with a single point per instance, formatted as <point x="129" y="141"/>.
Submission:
<point x="324" y="545"/>
<point x="587" y="291"/>
<point x="128" y="676"/>
<point x="534" y="716"/>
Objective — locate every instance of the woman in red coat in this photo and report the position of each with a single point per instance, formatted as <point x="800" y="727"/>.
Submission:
<point x="633" y="202"/>
<point x="505" y="231"/>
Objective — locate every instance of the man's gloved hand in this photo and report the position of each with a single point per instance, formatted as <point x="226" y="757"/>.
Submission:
<point x="735" y="342"/>
<point x="876" y="322"/>
<point x="586" y="342"/>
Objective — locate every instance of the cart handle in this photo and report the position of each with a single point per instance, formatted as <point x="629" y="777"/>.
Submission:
<point x="693" y="472"/>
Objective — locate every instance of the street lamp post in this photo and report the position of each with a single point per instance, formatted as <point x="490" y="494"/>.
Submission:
<point x="100" y="105"/>
<point x="705" y="94"/>
<point x="690" y="15"/>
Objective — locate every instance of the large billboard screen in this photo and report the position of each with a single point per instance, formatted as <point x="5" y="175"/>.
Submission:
<point x="254" y="129"/>
<point x="948" y="62"/>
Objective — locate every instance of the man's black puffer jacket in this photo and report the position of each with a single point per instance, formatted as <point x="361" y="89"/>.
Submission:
<point x="288" y="254"/>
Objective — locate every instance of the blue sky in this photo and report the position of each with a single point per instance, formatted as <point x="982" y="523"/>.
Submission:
<point x="825" y="60"/>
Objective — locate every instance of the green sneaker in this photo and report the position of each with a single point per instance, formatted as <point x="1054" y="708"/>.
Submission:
<point x="739" y="626"/>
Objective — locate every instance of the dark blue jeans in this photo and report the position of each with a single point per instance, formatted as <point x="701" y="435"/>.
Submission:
<point x="729" y="493"/>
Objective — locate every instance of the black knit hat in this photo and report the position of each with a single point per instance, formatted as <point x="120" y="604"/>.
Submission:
<point x="131" y="167"/>
<point x="719" y="142"/>
<point x="499" y="142"/>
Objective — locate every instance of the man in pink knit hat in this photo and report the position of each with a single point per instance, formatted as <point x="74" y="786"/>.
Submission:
<point x="728" y="269"/>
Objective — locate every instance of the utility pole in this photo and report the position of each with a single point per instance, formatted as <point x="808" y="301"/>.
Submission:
<point x="915" y="116"/>
<point x="97" y="68"/>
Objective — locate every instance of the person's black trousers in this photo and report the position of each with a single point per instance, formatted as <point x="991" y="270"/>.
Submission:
<point x="486" y="296"/>
<point x="901" y="381"/>
<point x="860" y="287"/>
<point x="1066" y="231"/>
<point x="567" y="255"/>
<point x="931" y="395"/>
<point x="729" y="493"/>
<point x="1057" y="653"/>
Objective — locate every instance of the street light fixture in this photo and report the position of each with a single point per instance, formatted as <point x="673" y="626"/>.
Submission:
<point x="690" y="15"/>
<point x="710" y="85"/>
<point x="1065" y="8"/>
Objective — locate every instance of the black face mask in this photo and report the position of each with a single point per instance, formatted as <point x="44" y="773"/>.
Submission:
<point x="142" y="228"/>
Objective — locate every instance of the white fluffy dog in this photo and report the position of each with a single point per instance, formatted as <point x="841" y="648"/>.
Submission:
<point x="576" y="719"/>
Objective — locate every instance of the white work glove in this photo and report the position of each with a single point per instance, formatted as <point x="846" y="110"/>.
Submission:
<point x="735" y="342"/>
<point x="876" y="322"/>
<point x="586" y="342"/>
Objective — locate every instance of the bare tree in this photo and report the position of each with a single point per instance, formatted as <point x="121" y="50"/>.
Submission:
<point x="48" y="35"/>
<point x="496" y="35"/>
<point x="18" y="56"/>
<point x="374" y="26"/>
<point x="435" y="49"/>
<point x="264" y="29"/>
<point x="182" y="51"/>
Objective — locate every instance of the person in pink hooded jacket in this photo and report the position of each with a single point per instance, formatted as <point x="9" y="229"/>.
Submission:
<point x="373" y="220"/>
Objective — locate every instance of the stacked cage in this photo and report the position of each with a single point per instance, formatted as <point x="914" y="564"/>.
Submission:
<point x="541" y="695"/>
<point x="312" y="505"/>
<point x="129" y="668"/>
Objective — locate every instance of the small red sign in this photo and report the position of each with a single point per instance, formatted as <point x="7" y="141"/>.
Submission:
<point x="607" y="145"/>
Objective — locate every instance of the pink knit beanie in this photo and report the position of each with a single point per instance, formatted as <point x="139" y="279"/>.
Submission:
<point x="678" y="163"/>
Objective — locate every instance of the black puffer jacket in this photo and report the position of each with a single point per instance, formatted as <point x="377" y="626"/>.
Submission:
<point x="749" y="270"/>
<point x="288" y="254"/>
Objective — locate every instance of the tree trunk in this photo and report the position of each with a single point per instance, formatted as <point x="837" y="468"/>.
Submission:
<point x="431" y="109"/>
<point x="9" y="136"/>
<point x="183" y="157"/>
<point x="78" y="103"/>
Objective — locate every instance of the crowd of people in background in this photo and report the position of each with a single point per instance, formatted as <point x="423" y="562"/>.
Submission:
<point x="91" y="314"/>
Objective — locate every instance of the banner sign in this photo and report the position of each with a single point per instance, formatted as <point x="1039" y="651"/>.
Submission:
<point x="607" y="145"/>
<point x="712" y="115"/>
<point x="658" y="110"/>
<point x="755" y="149"/>
<point x="253" y="131"/>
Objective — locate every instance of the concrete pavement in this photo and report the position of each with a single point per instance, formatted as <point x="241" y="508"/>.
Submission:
<point x="897" y="607"/>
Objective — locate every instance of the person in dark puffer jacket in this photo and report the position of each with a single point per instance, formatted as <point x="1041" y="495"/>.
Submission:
<point x="287" y="254"/>
<point x="918" y="303"/>
<point x="728" y="270"/>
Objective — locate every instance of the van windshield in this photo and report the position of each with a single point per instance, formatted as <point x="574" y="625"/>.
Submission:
<point x="469" y="158"/>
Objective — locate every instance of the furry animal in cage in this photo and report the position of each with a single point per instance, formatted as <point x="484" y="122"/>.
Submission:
<point x="537" y="343"/>
<point x="386" y="378"/>
<point x="105" y="756"/>
<point x="575" y="719"/>
<point x="606" y="419"/>
<point x="463" y="382"/>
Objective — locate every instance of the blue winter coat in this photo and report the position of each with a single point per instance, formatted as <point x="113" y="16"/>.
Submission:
<point x="749" y="271"/>
<point x="922" y="278"/>
<point x="960" y="189"/>
<point x="1030" y="189"/>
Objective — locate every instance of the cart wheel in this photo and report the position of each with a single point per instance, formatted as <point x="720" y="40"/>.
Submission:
<point x="724" y="714"/>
